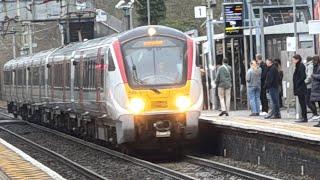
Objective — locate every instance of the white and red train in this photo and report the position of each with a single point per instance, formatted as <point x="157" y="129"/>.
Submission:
<point x="139" y="87"/>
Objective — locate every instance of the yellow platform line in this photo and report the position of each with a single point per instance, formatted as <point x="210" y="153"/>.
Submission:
<point x="14" y="166"/>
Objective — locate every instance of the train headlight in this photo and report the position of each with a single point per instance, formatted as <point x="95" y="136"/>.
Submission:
<point x="152" y="31"/>
<point x="136" y="105"/>
<point x="183" y="102"/>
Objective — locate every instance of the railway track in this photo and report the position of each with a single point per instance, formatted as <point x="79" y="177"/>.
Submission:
<point x="228" y="169"/>
<point x="146" y="164"/>
<point x="151" y="166"/>
<point x="73" y="165"/>
<point x="171" y="172"/>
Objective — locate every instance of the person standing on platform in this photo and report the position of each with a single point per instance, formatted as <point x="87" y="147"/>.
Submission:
<point x="278" y="65"/>
<point x="309" y="71"/>
<point x="315" y="90"/>
<point x="254" y="87"/>
<point x="272" y="86"/>
<point x="263" y="94"/>
<point x="316" y="62"/>
<point x="223" y="82"/>
<point x="299" y="85"/>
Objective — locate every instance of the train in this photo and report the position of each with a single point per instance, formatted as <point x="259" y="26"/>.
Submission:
<point x="139" y="88"/>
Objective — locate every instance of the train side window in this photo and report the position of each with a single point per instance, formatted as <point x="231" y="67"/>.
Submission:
<point x="35" y="76"/>
<point x="49" y="76"/>
<point x="197" y="56"/>
<point x="86" y="73"/>
<point x="111" y="66"/>
<point x="43" y="75"/>
<point x="67" y="75"/>
<point x="21" y="77"/>
<point x="77" y="75"/>
<point x="24" y="76"/>
<point x="7" y="78"/>
<point x="29" y="76"/>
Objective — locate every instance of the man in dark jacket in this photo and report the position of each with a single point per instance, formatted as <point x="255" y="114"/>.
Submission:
<point x="299" y="85"/>
<point x="272" y="86"/>
<point x="263" y="94"/>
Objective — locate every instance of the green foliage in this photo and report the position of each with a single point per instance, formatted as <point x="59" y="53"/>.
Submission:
<point x="157" y="11"/>
<point x="180" y="24"/>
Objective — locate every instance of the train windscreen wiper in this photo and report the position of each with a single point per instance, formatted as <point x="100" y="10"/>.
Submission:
<point x="137" y="80"/>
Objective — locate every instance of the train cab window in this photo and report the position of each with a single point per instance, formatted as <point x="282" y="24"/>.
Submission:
<point x="111" y="66"/>
<point x="165" y="58"/>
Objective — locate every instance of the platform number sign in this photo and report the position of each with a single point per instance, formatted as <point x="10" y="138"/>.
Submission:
<point x="200" y="12"/>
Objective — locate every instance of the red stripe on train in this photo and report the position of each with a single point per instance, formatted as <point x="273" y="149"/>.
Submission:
<point x="117" y="49"/>
<point x="190" y="57"/>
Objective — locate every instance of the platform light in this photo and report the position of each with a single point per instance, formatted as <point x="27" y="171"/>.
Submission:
<point x="152" y="31"/>
<point x="136" y="105"/>
<point x="183" y="102"/>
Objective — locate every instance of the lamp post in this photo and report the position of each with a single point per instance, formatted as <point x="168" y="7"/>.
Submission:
<point x="250" y="28"/>
<point x="148" y="9"/>
<point x="298" y="109"/>
<point x="126" y="6"/>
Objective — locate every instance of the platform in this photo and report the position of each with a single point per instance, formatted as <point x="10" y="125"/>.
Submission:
<point x="285" y="127"/>
<point x="15" y="164"/>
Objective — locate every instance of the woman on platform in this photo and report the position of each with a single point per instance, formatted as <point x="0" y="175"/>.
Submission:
<point x="299" y="86"/>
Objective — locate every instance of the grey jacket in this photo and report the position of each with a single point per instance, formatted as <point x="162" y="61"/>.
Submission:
<point x="223" y="78"/>
<point x="309" y="72"/>
<point x="254" y="77"/>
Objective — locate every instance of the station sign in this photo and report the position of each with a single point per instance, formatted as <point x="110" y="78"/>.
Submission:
<point x="291" y="44"/>
<point x="200" y="12"/>
<point x="233" y="19"/>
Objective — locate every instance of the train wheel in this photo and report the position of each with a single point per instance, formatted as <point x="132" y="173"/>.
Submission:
<point x="126" y="149"/>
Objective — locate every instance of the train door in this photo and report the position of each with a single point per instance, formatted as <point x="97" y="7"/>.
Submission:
<point x="100" y="70"/>
<point x="109" y="81"/>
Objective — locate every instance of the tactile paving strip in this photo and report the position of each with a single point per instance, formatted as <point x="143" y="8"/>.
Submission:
<point x="16" y="167"/>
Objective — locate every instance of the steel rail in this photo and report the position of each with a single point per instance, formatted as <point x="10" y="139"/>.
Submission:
<point x="75" y="166"/>
<point x="228" y="169"/>
<point x="5" y="114"/>
<point x="142" y="163"/>
<point x="139" y="162"/>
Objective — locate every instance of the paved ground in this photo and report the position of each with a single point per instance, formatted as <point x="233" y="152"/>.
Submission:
<point x="288" y="116"/>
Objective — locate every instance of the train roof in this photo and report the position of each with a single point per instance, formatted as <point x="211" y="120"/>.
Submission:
<point x="68" y="51"/>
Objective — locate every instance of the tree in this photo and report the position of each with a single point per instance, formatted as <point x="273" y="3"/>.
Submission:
<point x="157" y="11"/>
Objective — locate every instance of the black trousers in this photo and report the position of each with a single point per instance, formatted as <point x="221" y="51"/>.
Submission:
<point x="311" y="105"/>
<point x="264" y="100"/>
<point x="302" y="102"/>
